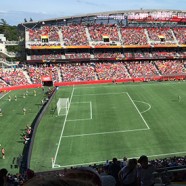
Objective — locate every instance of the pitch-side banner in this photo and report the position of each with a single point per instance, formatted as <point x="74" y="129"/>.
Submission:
<point x="46" y="78"/>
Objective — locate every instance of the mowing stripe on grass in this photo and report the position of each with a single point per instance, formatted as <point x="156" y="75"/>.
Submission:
<point x="64" y="123"/>
<point x="137" y="110"/>
<point x="104" y="133"/>
<point x="90" y="109"/>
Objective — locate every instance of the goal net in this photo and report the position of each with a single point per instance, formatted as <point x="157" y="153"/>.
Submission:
<point x="62" y="106"/>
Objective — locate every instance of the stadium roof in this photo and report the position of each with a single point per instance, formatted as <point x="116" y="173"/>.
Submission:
<point x="120" y="12"/>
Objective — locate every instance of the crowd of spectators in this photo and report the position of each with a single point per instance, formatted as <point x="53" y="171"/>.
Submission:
<point x="112" y="173"/>
<point x="74" y="35"/>
<point x="171" y="67"/>
<point x="35" y="73"/>
<point x="98" y="31"/>
<point x="142" y="54"/>
<point x="46" y="56"/>
<point x="52" y="33"/>
<point x="78" y="35"/>
<point x="156" y="34"/>
<point x="133" y="53"/>
<point x="141" y="69"/>
<point x="107" y="71"/>
<point x="134" y="36"/>
<point x="180" y="35"/>
<point x="78" y="72"/>
<point x="108" y="55"/>
<point x="2" y="84"/>
<point x="32" y="74"/>
<point x="13" y="76"/>
<point x="182" y="53"/>
<point x="78" y="55"/>
<point x="164" y="53"/>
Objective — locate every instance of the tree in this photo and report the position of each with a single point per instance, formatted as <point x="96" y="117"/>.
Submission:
<point x="3" y="23"/>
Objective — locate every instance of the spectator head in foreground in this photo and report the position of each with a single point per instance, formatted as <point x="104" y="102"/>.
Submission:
<point x="74" y="177"/>
<point x="143" y="160"/>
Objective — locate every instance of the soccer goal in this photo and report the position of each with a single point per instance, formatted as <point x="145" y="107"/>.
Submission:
<point x="62" y="106"/>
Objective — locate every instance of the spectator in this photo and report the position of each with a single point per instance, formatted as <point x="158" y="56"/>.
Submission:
<point x="3" y="177"/>
<point x="114" y="169"/>
<point x="145" y="172"/>
<point x="128" y="174"/>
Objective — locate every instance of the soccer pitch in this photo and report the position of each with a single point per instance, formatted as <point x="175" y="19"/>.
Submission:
<point x="106" y="121"/>
<point x="102" y="122"/>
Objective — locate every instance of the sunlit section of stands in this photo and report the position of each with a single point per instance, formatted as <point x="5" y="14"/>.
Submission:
<point x="171" y="67"/>
<point x="107" y="71"/>
<point x="141" y="69"/>
<point x="78" y="72"/>
<point x="134" y="36"/>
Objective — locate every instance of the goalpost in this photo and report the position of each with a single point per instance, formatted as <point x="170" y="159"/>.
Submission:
<point x="62" y="106"/>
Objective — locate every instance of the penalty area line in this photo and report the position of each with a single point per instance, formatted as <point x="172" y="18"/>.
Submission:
<point x="138" y="110"/>
<point x="64" y="123"/>
<point x="104" y="133"/>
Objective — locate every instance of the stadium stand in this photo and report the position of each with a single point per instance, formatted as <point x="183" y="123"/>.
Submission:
<point x="170" y="67"/>
<point x="180" y="35"/>
<point x="134" y="36"/>
<point x="107" y="71"/>
<point x="78" y="72"/>
<point x="141" y="69"/>
<point x="13" y="77"/>
<point x="152" y="54"/>
<point x="36" y="73"/>
<point x="74" y="35"/>
<point x="98" y="31"/>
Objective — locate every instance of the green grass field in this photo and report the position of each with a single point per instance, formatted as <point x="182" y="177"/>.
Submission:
<point x="13" y="124"/>
<point x="103" y="121"/>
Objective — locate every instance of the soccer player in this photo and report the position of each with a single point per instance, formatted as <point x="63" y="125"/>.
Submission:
<point x="23" y="95"/>
<point x="24" y="110"/>
<point x="3" y="153"/>
<point x="179" y="98"/>
<point x="9" y="98"/>
<point x="15" y="98"/>
<point x="26" y="92"/>
<point x="1" y="114"/>
<point x="34" y="92"/>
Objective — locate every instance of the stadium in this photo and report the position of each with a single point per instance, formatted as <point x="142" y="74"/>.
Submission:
<point x="96" y="87"/>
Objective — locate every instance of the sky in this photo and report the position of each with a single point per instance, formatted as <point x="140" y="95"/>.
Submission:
<point x="15" y="11"/>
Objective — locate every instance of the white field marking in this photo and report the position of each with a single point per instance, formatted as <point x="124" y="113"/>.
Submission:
<point x="56" y="166"/>
<point x="82" y="119"/>
<point x="90" y="109"/>
<point x="64" y="123"/>
<point x="138" y="110"/>
<point x="125" y="84"/>
<point x="101" y="94"/>
<point x="144" y="103"/>
<point x="78" y="119"/>
<point x="78" y="102"/>
<point x="4" y="95"/>
<point x="98" y="162"/>
<point x="104" y="133"/>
